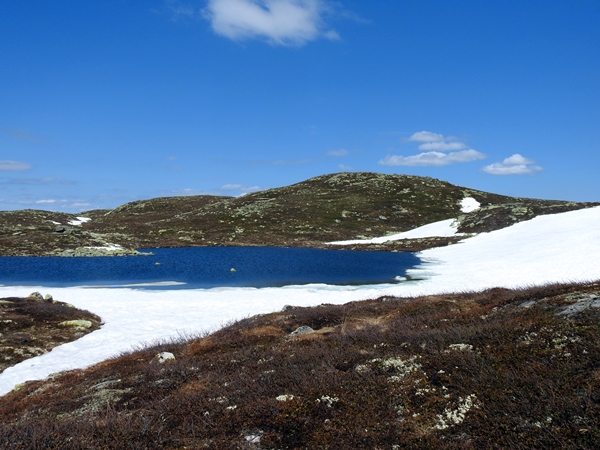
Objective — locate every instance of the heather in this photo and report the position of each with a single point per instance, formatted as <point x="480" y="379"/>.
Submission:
<point x="493" y="369"/>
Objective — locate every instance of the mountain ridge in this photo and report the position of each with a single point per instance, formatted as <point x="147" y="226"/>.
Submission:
<point x="346" y="205"/>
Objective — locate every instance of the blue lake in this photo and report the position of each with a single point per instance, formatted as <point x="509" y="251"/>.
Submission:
<point x="207" y="267"/>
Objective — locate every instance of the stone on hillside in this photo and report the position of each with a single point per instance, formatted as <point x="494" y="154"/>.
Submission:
<point x="36" y="296"/>
<point x="77" y="323"/>
<point x="48" y="298"/>
<point x="163" y="357"/>
<point x="304" y="329"/>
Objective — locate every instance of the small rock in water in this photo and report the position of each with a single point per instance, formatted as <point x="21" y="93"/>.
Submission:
<point x="232" y="270"/>
<point x="163" y="357"/>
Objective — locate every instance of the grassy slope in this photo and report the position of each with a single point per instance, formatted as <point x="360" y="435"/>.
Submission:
<point x="497" y="369"/>
<point x="310" y="213"/>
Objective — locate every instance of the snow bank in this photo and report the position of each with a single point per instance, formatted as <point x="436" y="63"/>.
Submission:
<point x="441" y="228"/>
<point x="562" y="247"/>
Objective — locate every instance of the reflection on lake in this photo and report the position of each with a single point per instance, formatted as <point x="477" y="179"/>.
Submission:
<point x="207" y="267"/>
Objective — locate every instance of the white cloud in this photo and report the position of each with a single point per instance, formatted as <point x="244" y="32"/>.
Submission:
<point x="433" y="144"/>
<point x="517" y="159"/>
<point x="433" y="158"/>
<point x="513" y="165"/>
<point x="345" y="168"/>
<point x="279" y="22"/>
<point x="47" y="201"/>
<point x="426" y="136"/>
<point x="14" y="166"/>
<point x="340" y="152"/>
<point x="442" y="146"/>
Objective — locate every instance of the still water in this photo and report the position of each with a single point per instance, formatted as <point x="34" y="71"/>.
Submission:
<point x="208" y="267"/>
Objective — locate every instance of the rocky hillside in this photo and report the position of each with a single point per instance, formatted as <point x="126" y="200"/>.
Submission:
<point x="496" y="369"/>
<point x="34" y="325"/>
<point x="311" y="213"/>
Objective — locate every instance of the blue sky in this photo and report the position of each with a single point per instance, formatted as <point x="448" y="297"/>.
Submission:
<point x="110" y="101"/>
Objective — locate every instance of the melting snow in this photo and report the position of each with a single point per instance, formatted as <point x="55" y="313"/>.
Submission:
<point x="79" y="220"/>
<point x="107" y="247"/>
<point x="441" y="228"/>
<point x="553" y="248"/>
<point x="469" y="204"/>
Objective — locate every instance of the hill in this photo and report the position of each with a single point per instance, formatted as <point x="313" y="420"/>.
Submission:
<point x="311" y="213"/>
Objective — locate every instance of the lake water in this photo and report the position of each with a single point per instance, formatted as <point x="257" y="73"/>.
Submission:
<point x="208" y="267"/>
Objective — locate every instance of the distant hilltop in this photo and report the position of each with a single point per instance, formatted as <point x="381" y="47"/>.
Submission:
<point x="341" y="206"/>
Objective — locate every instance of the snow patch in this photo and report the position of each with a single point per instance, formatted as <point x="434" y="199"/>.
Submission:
<point x="442" y="228"/>
<point x="107" y="248"/>
<point x="79" y="221"/>
<point x="469" y="204"/>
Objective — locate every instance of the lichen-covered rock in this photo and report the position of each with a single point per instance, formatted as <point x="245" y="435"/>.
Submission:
<point x="163" y="357"/>
<point x="35" y="296"/>
<point x="304" y="329"/>
<point x="77" y="323"/>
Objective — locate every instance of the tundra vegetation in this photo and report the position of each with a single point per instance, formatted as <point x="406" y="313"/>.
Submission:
<point x="311" y="213"/>
<point x="494" y="369"/>
<point x="34" y="325"/>
<point x="501" y="368"/>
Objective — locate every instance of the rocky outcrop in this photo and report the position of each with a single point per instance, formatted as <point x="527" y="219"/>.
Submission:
<point x="101" y="251"/>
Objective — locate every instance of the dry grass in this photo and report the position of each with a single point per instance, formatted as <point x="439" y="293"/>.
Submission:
<point x="496" y="369"/>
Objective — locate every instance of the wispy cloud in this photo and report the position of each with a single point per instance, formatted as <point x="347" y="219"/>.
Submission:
<point x="48" y="204"/>
<point x="14" y="166"/>
<point x="339" y="153"/>
<point x="434" y="145"/>
<point x="283" y="162"/>
<point x="240" y="187"/>
<point x="345" y="168"/>
<point x="42" y="181"/>
<point x="179" y="9"/>
<point x="22" y="135"/>
<point x="278" y="22"/>
<point x="513" y="165"/>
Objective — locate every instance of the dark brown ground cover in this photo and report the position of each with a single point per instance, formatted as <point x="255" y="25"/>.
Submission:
<point x="497" y="369"/>
<point x="30" y="327"/>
